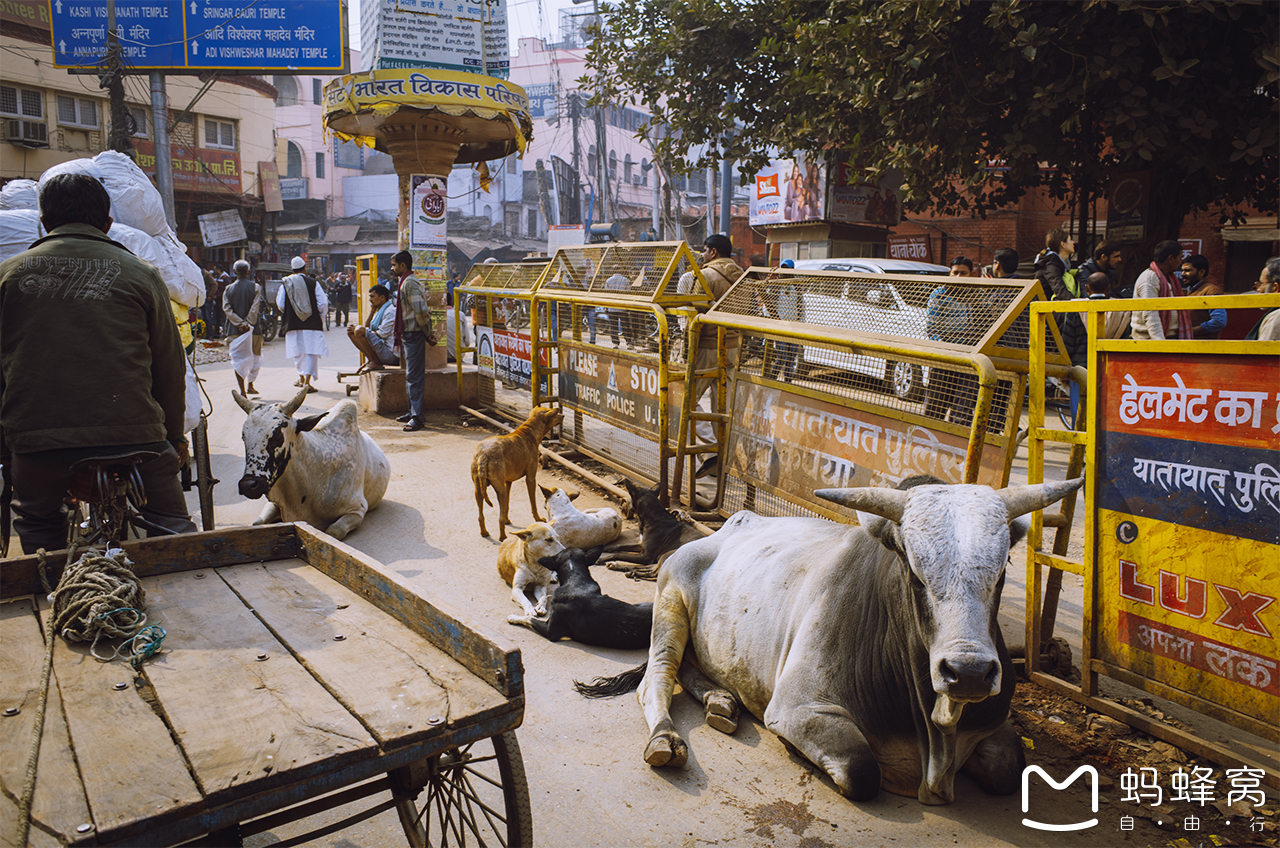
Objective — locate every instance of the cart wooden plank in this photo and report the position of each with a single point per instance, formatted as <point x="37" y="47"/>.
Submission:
<point x="59" y="804"/>
<point x="490" y="656"/>
<point x="245" y="724"/>
<point x="393" y="679"/>
<point x="131" y="771"/>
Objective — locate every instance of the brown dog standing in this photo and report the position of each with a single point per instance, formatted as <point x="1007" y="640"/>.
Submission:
<point x="501" y="460"/>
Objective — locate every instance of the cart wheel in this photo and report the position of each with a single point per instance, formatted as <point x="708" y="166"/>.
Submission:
<point x="473" y="795"/>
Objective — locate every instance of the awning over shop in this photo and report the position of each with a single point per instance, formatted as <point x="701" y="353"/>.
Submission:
<point x="1253" y="229"/>
<point x="341" y="233"/>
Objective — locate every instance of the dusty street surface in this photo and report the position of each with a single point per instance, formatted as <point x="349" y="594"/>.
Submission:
<point x="587" y="781"/>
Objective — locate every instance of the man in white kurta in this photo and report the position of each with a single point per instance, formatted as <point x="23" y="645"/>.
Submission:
<point x="303" y="302"/>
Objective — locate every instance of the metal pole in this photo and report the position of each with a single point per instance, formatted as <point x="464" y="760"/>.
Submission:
<point x="726" y="193"/>
<point x="164" y="163"/>
<point x="711" y="199"/>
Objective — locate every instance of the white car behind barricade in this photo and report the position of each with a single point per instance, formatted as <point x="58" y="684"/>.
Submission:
<point x="874" y="307"/>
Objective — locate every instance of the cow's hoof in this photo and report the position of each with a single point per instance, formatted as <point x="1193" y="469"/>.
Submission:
<point x="666" y="750"/>
<point x="722" y="712"/>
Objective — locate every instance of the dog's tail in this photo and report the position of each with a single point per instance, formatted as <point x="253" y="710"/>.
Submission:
<point x="480" y="474"/>
<point x="609" y="687"/>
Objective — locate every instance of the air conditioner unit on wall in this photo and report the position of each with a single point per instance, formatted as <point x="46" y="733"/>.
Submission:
<point x="26" y="133"/>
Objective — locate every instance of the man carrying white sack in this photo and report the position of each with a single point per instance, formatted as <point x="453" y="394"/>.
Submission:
<point x="242" y="303"/>
<point x="303" y="303"/>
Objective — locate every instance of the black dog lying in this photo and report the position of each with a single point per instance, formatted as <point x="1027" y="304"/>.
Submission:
<point x="579" y="610"/>
<point x="660" y="534"/>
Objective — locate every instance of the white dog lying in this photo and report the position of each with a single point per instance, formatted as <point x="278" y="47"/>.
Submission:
<point x="577" y="528"/>
<point x="518" y="557"/>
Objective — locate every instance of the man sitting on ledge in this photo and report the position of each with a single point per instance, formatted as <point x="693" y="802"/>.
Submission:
<point x="375" y="340"/>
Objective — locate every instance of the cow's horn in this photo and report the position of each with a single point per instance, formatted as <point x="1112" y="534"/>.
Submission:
<point x="1020" y="500"/>
<point x="887" y="503"/>
<point x="242" y="401"/>
<point x="292" y="406"/>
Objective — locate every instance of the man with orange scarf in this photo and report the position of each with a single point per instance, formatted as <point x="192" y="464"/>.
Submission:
<point x="1159" y="281"/>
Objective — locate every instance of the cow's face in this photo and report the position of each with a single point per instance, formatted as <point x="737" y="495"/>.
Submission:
<point x="269" y="434"/>
<point x="953" y="543"/>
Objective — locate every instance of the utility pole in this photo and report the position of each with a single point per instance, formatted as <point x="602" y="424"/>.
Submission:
<point x="726" y="194"/>
<point x="600" y="130"/>
<point x="575" y="113"/>
<point x="711" y="199"/>
<point x="164" y="161"/>
<point x="112" y="79"/>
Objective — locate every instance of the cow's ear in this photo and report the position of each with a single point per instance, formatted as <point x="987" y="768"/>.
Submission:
<point x="308" y="423"/>
<point x="1018" y="528"/>
<point x="881" y="529"/>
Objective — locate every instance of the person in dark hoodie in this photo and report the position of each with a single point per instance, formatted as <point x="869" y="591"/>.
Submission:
<point x="118" y="388"/>
<point x="1051" y="265"/>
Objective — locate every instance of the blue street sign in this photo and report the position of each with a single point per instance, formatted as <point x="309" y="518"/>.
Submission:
<point x="257" y="35"/>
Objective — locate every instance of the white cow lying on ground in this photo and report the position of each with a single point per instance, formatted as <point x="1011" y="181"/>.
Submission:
<point x="580" y="528"/>
<point x="320" y="469"/>
<point x="874" y="650"/>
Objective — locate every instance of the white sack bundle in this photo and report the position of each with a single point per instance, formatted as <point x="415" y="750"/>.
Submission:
<point x="181" y="273"/>
<point x="18" y="229"/>
<point x="19" y="194"/>
<point x="72" y="166"/>
<point x="134" y="200"/>
<point x="176" y="276"/>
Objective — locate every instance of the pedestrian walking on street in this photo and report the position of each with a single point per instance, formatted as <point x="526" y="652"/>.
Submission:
<point x="1052" y="266"/>
<point x="413" y="333"/>
<point x="1205" y="323"/>
<point x="242" y="304"/>
<point x="302" y="304"/>
<point x="1160" y="281"/>
<point x="1268" y="329"/>
<point x="342" y="301"/>
<point x="91" y="363"/>
<point x="720" y="272"/>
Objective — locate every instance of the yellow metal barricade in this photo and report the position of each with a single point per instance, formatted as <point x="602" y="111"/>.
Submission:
<point x="366" y="278"/>
<point x="849" y="379"/>
<point x="500" y="303"/>
<point x="1181" y="442"/>
<point x="613" y="350"/>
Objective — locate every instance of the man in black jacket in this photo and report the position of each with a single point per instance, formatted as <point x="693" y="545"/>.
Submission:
<point x="92" y="365"/>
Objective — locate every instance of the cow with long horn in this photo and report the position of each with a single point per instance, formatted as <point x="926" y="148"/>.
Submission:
<point x="873" y="650"/>
<point x="321" y="469"/>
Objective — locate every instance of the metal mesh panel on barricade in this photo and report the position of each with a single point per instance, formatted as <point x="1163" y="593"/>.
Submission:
<point x="848" y="379"/>
<point x="499" y="297"/>
<point x="616" y="315"/>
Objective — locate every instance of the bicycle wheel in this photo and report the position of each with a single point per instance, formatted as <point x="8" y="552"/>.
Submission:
<point x="473" y="795"/>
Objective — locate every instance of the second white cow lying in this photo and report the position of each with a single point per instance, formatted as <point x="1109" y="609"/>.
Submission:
<point x="320" y="469"/>
<point x="576" y="528"/>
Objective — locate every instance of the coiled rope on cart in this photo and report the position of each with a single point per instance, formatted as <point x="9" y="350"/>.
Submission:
<point x="97" y="597"/>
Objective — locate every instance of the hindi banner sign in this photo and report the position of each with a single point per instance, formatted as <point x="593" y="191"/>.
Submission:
<point x="1188" y="524"/>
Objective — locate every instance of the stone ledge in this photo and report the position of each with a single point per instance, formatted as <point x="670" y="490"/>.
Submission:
<point x="383" y="392"/>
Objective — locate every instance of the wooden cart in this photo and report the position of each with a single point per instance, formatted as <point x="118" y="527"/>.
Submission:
<point x="296" y="677"/>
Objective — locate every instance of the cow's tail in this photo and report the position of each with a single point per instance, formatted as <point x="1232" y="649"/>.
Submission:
<point x="608" y="687"/>
<point x="480" y="474"/>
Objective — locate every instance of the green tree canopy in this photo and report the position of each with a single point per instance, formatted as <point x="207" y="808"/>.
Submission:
<point x="1061" y="95"/>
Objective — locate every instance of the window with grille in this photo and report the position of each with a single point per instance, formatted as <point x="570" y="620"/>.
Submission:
<point x="293" y="162"/>
<point x="320" y="164"/>
<point x="21" y="102"/>
<point x="219" y="134"/>
<point x="77" y="112"/>
<point x="613" y="164"/>
<point x="141" y="123"/>
<point x="315" y="91"/>
<point x="348" y="154"/>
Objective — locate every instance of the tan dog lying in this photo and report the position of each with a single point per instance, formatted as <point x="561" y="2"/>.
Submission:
<point x="518" y="564"/>
<point x="501" y="460"/>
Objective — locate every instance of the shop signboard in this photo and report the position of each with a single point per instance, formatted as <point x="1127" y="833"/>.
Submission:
<point x="281" y="35"/>
<point x="616" y="387"/>
<point x="858" y="199"/>
<point x="269" y="178"/>
<point x="788" y="191"/>
<point x="914" y="248"/>
<point x="200" y="169"/>
<point x="1188" y="525"/>
<point x="218" y="228"/>
<point x="428" y="205"/>
<point x="795" y="444"/>
<point x="1127" y="206"/>
<point x="445" y="34"/>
